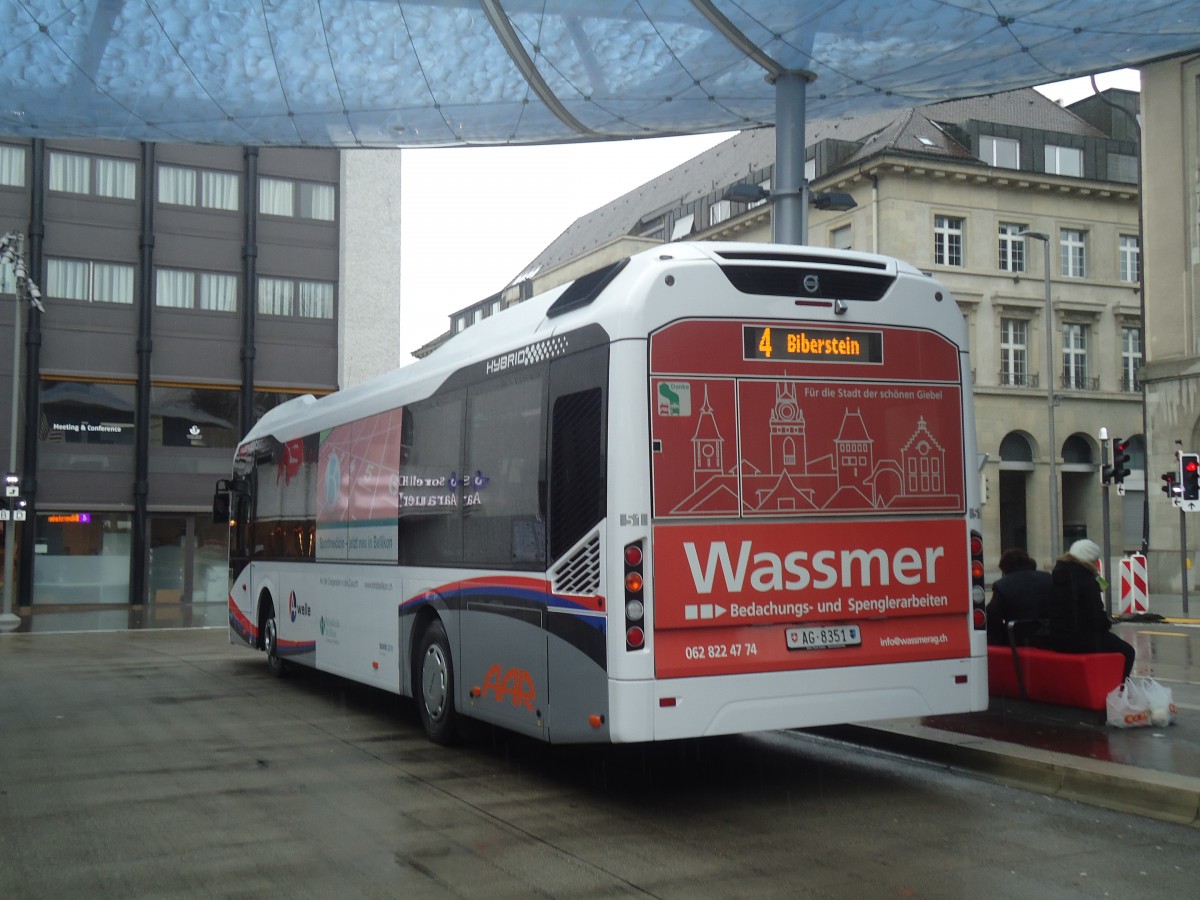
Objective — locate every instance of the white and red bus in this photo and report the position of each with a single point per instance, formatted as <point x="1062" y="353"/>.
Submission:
<point x="713" y="488"/>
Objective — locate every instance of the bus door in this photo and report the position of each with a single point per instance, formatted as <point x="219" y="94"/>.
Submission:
<point x="504" y="606"/>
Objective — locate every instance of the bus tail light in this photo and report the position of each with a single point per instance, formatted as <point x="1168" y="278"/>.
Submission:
<point x="635" y="609"/>
<point x="979" y="620"/>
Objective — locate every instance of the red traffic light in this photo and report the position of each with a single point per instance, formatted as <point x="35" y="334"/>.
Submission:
<point x="1189" y="475"/>
<point x="1120" y="456"/>
<point x="1171" y="487"/>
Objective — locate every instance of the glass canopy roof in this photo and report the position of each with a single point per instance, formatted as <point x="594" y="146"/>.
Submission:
<point x="388" y="73"/>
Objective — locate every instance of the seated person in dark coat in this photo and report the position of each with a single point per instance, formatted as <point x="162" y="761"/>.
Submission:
<point x="1078" y="622"/>
<point x="1022" y="592"/>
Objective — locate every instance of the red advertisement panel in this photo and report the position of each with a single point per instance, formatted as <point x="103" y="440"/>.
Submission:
<point x="759" y="597"/>
<point x="769" y="447"/>
<point x="358" y="492"/>
<point x="804" y="572"/>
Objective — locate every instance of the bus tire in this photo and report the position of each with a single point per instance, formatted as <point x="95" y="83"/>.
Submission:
<point x="435" y="685"/>
<point x="270" y="633"/>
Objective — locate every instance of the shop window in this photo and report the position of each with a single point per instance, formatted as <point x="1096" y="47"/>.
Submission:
<point x="81" y="412"/>
<point x="193" y="417"/>
<point x="82" y="557"/>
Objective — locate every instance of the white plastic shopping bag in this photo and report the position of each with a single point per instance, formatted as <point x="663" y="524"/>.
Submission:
<point x="1160" y="700"/>
<point x="1128" y="706"/>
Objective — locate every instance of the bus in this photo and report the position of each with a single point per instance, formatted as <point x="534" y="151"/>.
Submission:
<point x="712" y="488"/>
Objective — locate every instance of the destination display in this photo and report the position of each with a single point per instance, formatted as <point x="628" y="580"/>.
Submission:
<point x="811" y="344"/>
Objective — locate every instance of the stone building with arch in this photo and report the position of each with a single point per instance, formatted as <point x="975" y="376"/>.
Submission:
<point x="1172" y="202"/>
<point x="952" y="188"/>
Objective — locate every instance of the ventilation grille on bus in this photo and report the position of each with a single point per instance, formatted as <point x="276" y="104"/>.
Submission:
<point x="579" y="573"/>
<point x="793" y="256"/>
<point x="576" y="468"/>
<point x="805" y="282"/>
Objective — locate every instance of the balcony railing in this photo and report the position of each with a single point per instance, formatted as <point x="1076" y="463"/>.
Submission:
<point x="1073" y="381"/>
<point x="1017" y="379"/>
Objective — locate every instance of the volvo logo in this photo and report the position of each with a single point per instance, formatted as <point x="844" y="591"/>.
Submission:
<point x="811" y="283"/>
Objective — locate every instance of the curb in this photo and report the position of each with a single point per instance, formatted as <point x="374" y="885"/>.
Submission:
<point x="1146" y="792"/>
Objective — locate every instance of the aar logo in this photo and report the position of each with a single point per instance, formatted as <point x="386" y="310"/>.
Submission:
<point x="515" y="685"/>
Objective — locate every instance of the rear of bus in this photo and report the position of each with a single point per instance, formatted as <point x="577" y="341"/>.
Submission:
<point x="811" y="554"/>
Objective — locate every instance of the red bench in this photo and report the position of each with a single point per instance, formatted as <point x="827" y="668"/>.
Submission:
<point x="1068" y="679"/>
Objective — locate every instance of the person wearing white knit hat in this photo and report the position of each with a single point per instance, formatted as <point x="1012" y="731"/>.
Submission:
<point x="1086" y="552"/>
<point x="1078" y="621"/>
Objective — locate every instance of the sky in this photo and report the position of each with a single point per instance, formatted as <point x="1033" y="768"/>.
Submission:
<point x="472" y="218"/>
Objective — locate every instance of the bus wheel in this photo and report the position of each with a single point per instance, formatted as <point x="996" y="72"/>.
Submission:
<point x="435" y="681"/>
<point x="271" y="641"/>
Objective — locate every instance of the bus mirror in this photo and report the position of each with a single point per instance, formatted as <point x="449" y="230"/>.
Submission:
<point x="220" y="507"/>
<point x="223" y="496"/>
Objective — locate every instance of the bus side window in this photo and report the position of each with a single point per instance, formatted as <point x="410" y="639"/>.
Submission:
<point x="503" y="524"/>
<point x="431" y="446"/>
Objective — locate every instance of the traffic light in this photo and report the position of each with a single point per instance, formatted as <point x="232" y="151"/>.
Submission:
<point x="1189" y="475"/>
<point x="1120" y="456"/>
<point x="1171" y="488"/>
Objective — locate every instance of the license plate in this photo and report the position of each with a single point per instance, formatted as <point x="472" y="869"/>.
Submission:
<point x="824" y="638"/>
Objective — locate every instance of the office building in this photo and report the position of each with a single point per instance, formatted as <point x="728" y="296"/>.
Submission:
<point x="186" y="290"/>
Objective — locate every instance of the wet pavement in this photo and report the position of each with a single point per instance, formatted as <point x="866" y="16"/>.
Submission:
<point x="1072" y="752"/>
<point x="1168" y="651"/>
<point x="73" y="617"/>
<point x="1057" y="750"/>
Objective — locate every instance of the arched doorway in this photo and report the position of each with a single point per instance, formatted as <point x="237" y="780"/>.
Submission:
<point x="1016" y="464"/>
<point x="1078" y="476"/>
<point x="1133" y="502"/>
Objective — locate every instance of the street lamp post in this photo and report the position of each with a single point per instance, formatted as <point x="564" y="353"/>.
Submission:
<point x="1053" y="443"/>
<point x="12" y="251"/>
<point x="8" y="619"/>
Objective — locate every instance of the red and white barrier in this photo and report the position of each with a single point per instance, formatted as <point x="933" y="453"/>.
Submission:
<point x="1135" y="593"/>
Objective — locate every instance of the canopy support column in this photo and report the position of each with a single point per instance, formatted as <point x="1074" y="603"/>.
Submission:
<point x="789" y="218"/>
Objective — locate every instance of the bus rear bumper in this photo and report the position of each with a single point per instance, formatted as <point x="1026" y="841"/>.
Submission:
<point x="735" y="704"/>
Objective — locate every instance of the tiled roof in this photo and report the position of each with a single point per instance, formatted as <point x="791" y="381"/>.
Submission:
<point x="751" y="151"/>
